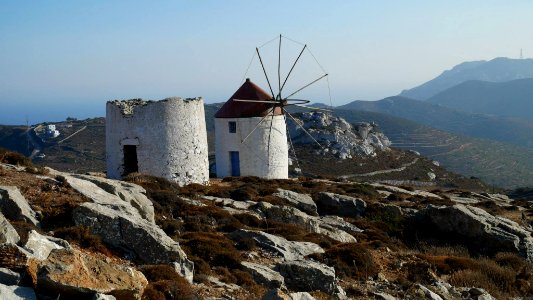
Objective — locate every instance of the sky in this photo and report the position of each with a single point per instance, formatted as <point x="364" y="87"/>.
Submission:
<point x="67" y="58"/>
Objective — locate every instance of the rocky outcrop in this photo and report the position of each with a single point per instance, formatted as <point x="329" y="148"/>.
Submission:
<point x="13" y="292"/>
<point x="128" y="192"/>
<point x="8" y="234"/>
<point x="339" y="137"/>
<point x="489" y="232"/>
<point x="306" y="276"/>
<point x="263" y="274"/>
<point x="340" y="205"/>
<point x="15" y="207"/>
<point x="72" y="273"/>
<point x="302" y="202"/>
<point x="40" y="246"/>
<point x="291" y="215"/>
<point x="289" y="250"/>
<point x="144" y="239"/>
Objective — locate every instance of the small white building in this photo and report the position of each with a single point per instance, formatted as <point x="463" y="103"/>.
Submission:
<point x="265" y="152"/>
<point x="51" y="131"/>
<point x="166" y="138"/>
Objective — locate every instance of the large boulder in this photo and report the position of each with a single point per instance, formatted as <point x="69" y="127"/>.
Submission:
<point x="102" y="197"/>
<point x="15" y="207"/>
<point x="147" y="241"/>
<point x="492" y="233"/>
<point x="303" y="202"/>
<point x="291" y="215"/>
<point x="289" y="250"/>
<point x="263" y="274"/>
<point x="8" y="234"/>
<point x="307" y="276"/>
<point x="339" y="205"/>
<point x="129" y="192"/>
<point x="13" y="292"/>
<point x="72" y="273"/>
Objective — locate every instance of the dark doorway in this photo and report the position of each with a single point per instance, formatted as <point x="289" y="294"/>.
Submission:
<point x="235" y="163"/>
<point x="130" y="159"/>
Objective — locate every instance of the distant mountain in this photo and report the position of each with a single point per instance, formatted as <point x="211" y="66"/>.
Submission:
<point x="497" y="70"/>
<point x="512" y="98"/>
<point x="519" y="132"/>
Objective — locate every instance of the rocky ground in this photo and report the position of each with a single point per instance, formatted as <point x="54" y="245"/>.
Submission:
<point x="74" y="236"/>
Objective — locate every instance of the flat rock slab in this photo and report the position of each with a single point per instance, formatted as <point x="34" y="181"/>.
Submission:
<point x="340" y="205"/>
<point x="303" y="202"/>
<point x="145" y="239"/>
<point x="40" y="245"/>
<point x="126" y="191"/>
<point x="15" y="207"/>
<point x="307" y="276"/>
<point x="263" y="274"/>
<point x="289" y="250"/>
<point x="292" y="215"/>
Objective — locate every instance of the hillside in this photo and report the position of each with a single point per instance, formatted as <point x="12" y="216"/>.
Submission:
<point x="496" y="163"/>
<point x="75" y="236"/>
<point x="507" y="130"/>
<point x="511" y="99"/>
<point x="500" y="69"/>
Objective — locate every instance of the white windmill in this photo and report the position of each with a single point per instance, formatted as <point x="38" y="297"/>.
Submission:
<point x="250" y="128"/>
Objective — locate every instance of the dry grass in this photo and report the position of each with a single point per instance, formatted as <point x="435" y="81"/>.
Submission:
<point x="505" y="275"/>
<point x="164" y="283"/>
<point x="353" y="260"/>
<point x="82" y="236"/>
<point x="13" y="158"/>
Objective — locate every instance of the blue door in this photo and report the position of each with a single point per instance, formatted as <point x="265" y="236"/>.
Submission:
<point x="235" y="163"/>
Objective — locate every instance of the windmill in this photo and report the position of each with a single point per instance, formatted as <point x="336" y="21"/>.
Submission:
<point x="250" y="128"/>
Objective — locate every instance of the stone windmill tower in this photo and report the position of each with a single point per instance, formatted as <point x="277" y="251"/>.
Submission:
<point x="251" y="137"/>
<point x="166" y="138"/>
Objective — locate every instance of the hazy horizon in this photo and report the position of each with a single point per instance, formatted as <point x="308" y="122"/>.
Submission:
<point x="62" y="59"/>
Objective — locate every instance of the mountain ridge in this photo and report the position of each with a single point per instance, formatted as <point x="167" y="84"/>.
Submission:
<point x="499" y="69"/>
<point x="508" y="99"/>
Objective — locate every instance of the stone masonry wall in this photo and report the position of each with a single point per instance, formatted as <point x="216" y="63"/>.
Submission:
<point x="170" y="136"/>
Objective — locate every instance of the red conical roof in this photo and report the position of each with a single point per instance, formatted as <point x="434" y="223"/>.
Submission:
<point x="237" y="109"/>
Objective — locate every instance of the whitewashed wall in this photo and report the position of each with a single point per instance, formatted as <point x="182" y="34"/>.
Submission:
<point x="170" y="135"/>
<point x="255" y="157"/>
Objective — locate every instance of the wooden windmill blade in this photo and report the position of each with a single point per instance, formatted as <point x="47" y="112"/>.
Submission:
<point x="277" y="101"/>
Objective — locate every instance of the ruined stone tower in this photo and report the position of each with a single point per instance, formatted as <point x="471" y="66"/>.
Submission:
<point x="164" y="138"/>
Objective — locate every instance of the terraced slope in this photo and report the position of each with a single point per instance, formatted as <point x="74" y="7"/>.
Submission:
<point x="501" y="164"/>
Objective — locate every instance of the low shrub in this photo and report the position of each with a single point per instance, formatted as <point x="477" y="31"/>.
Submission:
<point x="497" y="276"/>
<point x="165" y="283"/>
<point x="352" y="260"/>
<point x="214" y="249"/>
<point x="83" y="237"/>
<point x="14" y="158"/>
